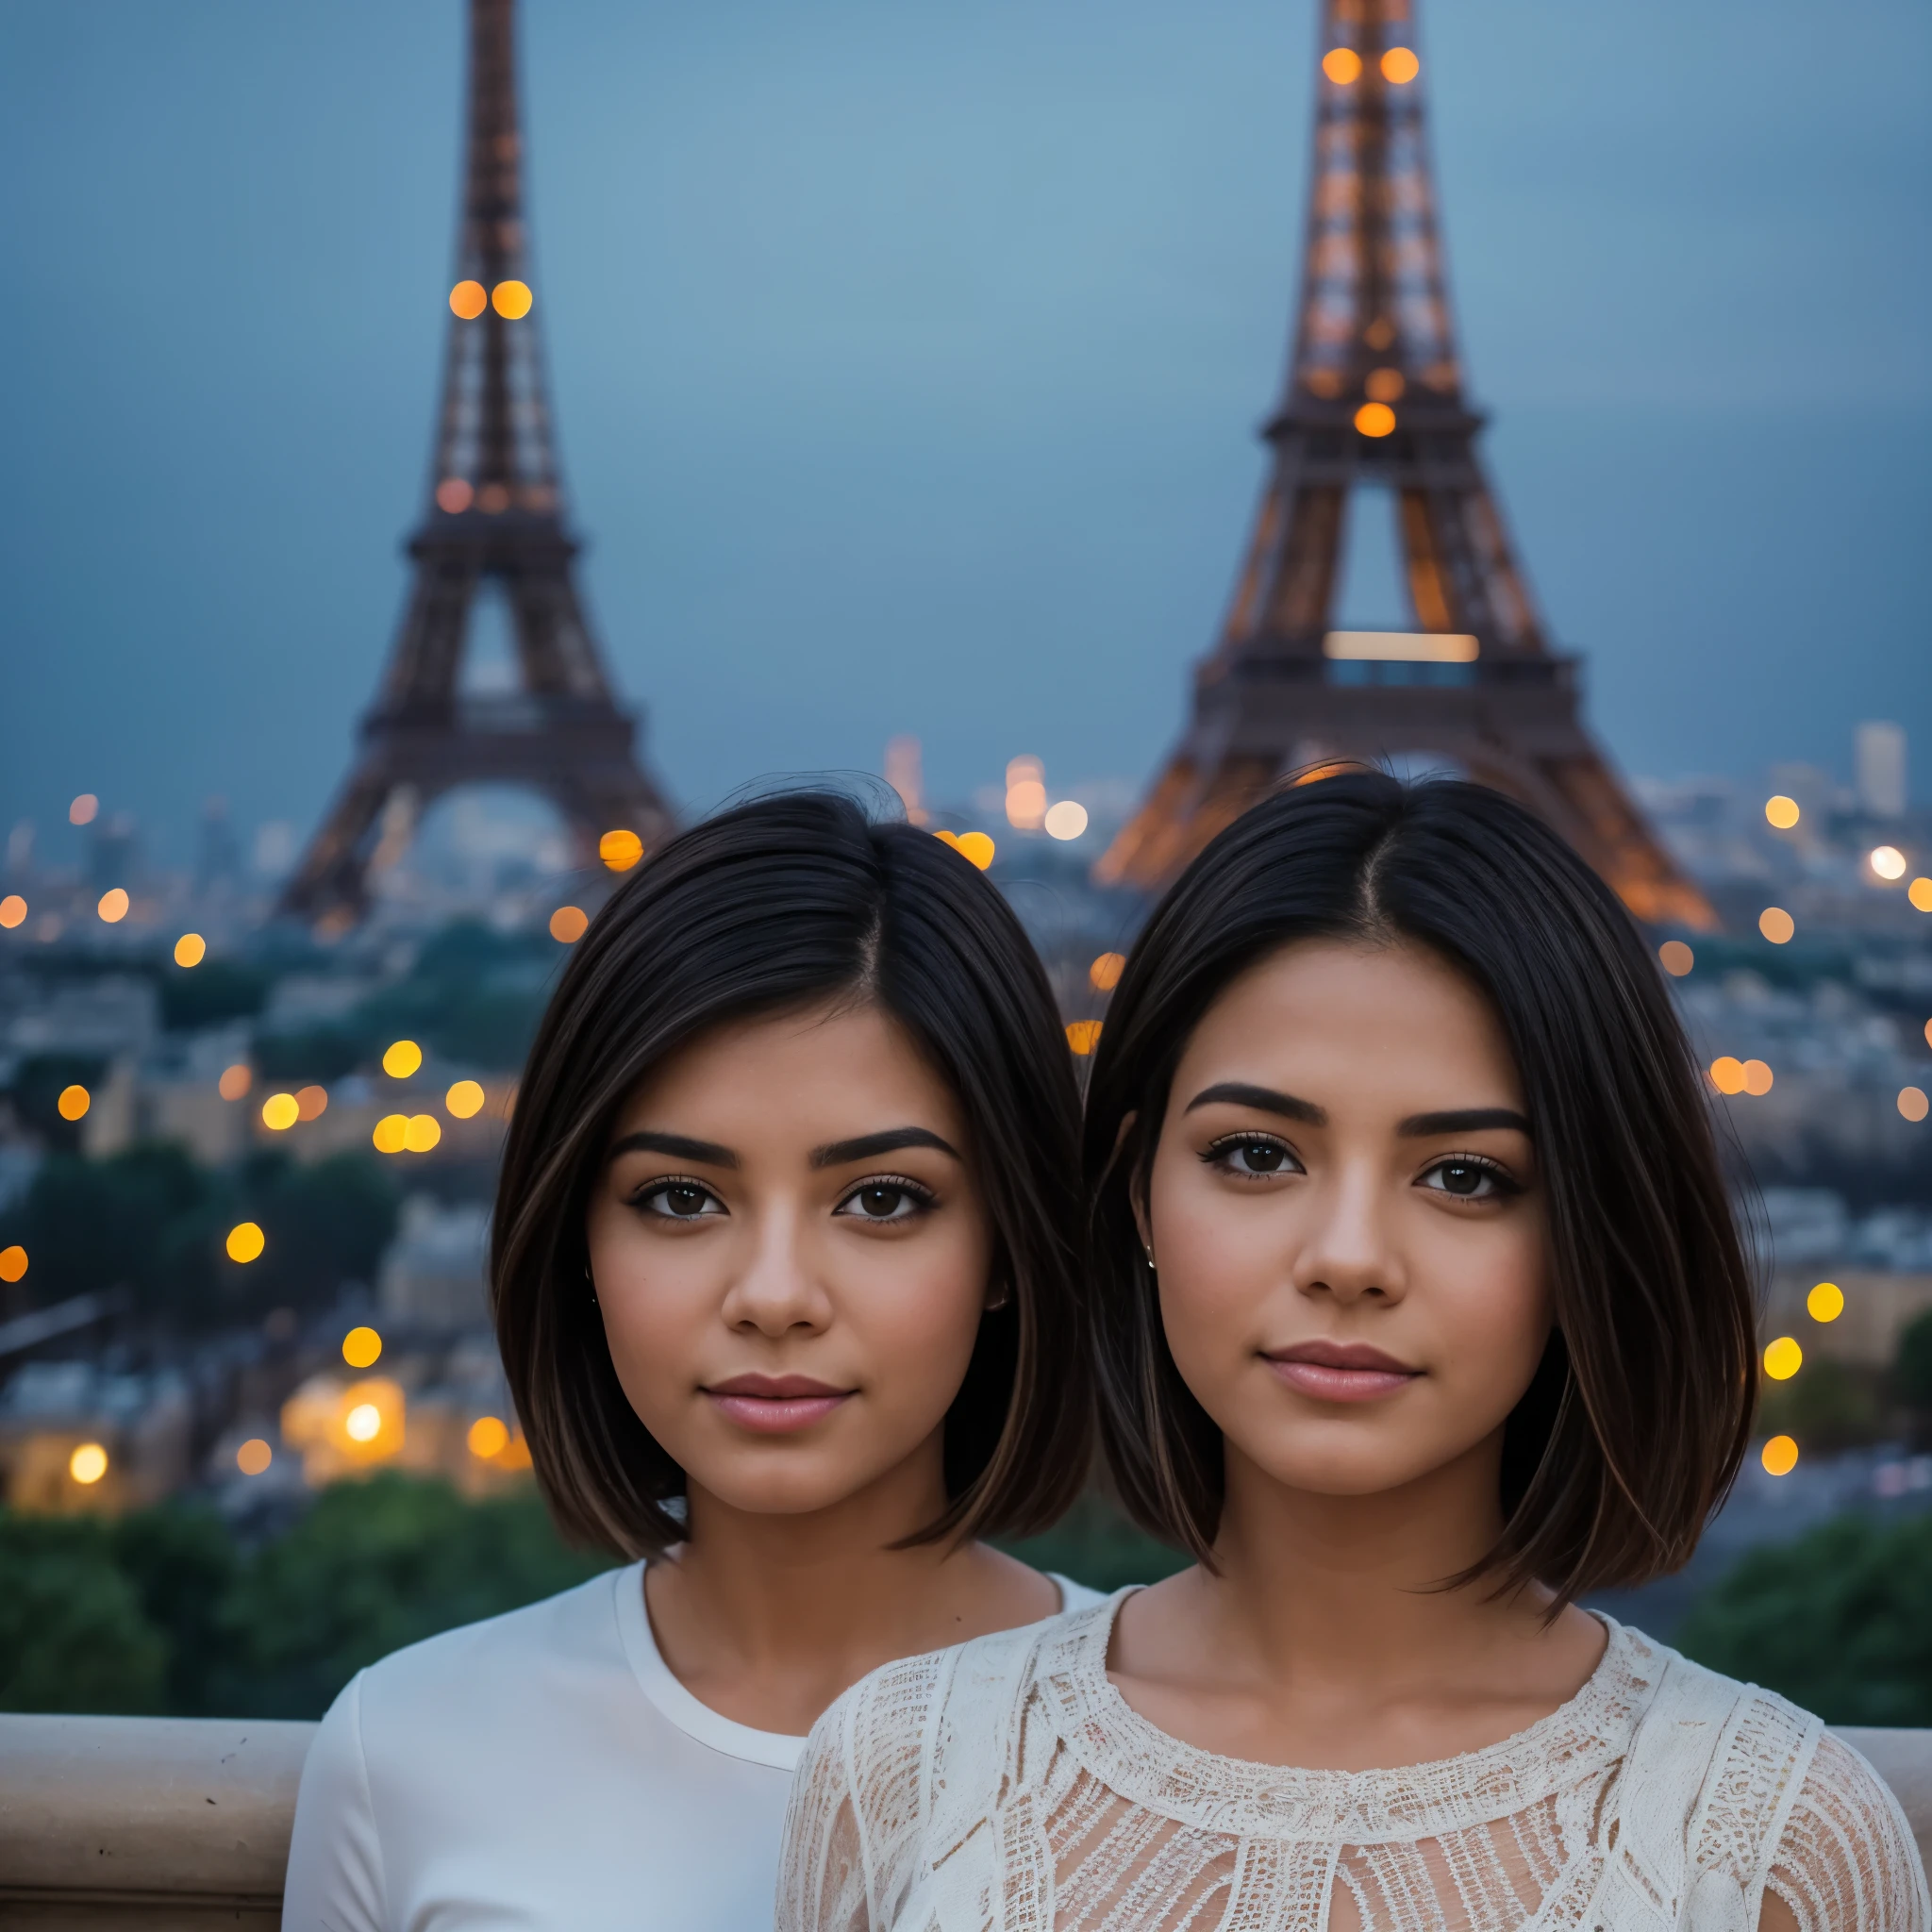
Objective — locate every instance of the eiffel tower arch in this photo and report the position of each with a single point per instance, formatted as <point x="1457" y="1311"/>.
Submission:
<point x="1375" y="397"/>
<point x="494" y="519"/>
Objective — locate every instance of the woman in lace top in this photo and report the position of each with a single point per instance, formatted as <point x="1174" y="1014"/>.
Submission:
<point x="1420" y="1315"/>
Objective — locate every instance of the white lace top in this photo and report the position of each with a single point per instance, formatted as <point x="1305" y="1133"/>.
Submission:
<point x="1005" y="1785"/>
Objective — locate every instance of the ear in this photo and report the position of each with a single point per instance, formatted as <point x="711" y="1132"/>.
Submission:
<point x="1136" y="1182"/>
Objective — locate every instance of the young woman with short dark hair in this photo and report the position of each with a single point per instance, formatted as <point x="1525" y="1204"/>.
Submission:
<point x="786" y="1284"/>
<point x="1420" y="1315"/>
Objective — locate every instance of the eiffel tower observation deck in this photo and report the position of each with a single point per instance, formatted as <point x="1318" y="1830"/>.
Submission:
<point x="1376" y="395"/>
<point x="494" y="517"/>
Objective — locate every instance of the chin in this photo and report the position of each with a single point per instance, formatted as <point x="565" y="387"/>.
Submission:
<point x="1351" y="1469"/>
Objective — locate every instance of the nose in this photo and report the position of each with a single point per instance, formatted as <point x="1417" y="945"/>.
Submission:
<point x="779" y="1291"/>
<point x="1346" y="1252"/>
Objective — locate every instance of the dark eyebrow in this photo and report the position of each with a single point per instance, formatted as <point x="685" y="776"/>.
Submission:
<point x="1237" y="1093"/>
<point x="679" y="1147"/>
<point x="840" y="1152"/>
<point x="1465" y="1120"/>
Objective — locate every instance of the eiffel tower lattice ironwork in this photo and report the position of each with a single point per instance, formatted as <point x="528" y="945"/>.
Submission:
<point x="495" y="521"/>
<point x="1374" y="395"/>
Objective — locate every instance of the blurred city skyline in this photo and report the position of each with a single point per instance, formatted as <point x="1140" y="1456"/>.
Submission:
<point x="907" y="367"/>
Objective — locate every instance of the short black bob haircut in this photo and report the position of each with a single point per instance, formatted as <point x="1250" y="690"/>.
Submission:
<point x="1639" y="1414"/>
<point x="790" y="902"/>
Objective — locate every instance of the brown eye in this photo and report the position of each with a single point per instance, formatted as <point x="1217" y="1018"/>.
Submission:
<point x="1468" y="1180"/>
<point x="1257" y="1156"/>
<point x="679" y="1201"/>
<point x="885" y="1201"/>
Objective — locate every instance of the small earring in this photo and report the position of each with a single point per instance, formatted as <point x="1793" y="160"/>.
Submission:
<point x="1005" y="1295"/>
<point x="1150" y="1269"/>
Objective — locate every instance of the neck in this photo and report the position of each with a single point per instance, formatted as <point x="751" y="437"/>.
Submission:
<point x="1352" y="1586"/>
<point x="777" y="1589"/>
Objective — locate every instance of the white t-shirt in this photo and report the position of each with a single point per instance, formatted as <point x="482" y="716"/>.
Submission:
<point x="543" y="1769"/>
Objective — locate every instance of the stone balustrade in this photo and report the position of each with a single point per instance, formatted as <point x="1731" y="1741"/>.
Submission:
<point x="181" y="1824"/>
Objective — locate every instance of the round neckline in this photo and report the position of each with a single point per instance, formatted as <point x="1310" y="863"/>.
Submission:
<point x="1135" y="1757"/>
<point x="780" y="1750"/>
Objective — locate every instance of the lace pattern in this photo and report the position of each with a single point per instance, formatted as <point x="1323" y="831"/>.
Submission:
<point x="1007" y="1787"/>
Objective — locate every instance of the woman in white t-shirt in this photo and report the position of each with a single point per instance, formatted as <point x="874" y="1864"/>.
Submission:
<point x="785" y="1282"/>
<point x="1420" y="1315"/>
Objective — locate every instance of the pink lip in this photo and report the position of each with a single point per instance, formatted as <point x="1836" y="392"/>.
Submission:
<point x="1340" y="1371"/>
<point x="776" y="1404"/>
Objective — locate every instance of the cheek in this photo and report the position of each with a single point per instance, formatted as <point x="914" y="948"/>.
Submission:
<point x="657" y="1298"/>
<point x="1493" y="1315"/>
<point x="911" y="1311"/>
<point x="1217" y="1261"/>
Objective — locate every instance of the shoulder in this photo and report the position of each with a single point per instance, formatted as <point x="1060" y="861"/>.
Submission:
<point x="1774" y="1804"/>
<point x="545" y="1652"/>
<point x="1845" y="1854"/>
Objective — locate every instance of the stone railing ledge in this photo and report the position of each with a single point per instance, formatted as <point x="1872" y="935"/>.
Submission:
<point x="182" y="1824"/>
<point x="173" y="1824"/>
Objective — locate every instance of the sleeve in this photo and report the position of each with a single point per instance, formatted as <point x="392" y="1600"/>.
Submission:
<point x="822" y="1874"/>
<point x="1846" y="1862"/>
<point x="335" y="1859"/>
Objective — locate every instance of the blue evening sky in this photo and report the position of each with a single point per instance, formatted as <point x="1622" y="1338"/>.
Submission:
<point x="907" y="359"/>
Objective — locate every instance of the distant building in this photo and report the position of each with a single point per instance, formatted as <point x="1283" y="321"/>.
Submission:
<point x="75" y="1437"/>
<point x="1878" y="758"/>
<point x="432" y="1276"/>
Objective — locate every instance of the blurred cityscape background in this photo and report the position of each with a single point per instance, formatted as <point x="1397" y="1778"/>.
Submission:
<point x="905" y="370"/>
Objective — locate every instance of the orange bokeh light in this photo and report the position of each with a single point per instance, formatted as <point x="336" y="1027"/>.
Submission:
<point x="12" y="910"/>
<point x="569" y="923"/>
<point x="1400" y="66"/>
<point x="511" y="300"/>
<point x="1105" y="973"/>
<point x="1342" y="65"/>
<point x="619" y="850"/>
<point x="234" y="1082"/>
<point x="1374" y="419"/>
<point x="468" y="300"/>
<point x="454" y="497"/>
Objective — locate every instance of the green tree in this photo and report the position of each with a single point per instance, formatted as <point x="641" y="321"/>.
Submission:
<point x="1826" y="1406"/>
<point x="1836" y="1621"/>
<point x="374" y="1566"/>
<point x="72" y="1635"/>
<point x="206" y="995"/>
<point x="144" y="1219"/>
<point x="181" y="1563"/>
<point x="40" y="1080"/>
<point x="325" y="1223"/>
<point x="1911" y="1371"/>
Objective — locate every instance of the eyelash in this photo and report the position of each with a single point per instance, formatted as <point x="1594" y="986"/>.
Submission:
<point x="1502" y="1181"/>
<point x="921" y="1196"/>
<point x="643" y="1198"/>
<point x="917" y="1192"/>
<point x="1215" y="1155"/>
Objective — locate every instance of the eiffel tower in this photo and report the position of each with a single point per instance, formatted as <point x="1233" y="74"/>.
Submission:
<point x="494" y="519"/>
<point x="1374" y="395"/>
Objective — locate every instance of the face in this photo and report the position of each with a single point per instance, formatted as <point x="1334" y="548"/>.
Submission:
<point x="791" y="1255"/>
<point x="1346" y="1220"/>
